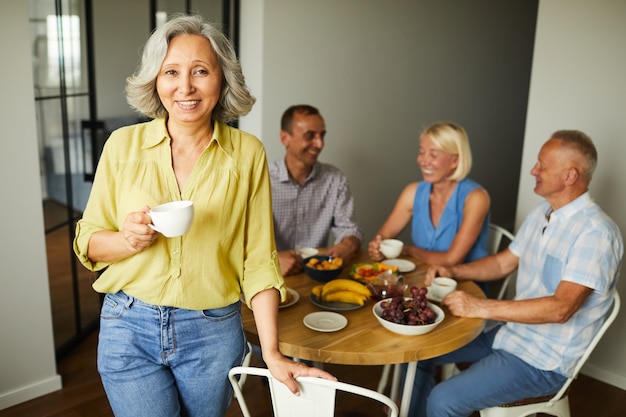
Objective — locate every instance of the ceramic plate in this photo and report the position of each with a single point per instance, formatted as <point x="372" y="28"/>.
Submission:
<point x="294" y="298"/>
<point x="403" y="265"/>
<point x="325" y="321"/>
<point x="333" y="306"/>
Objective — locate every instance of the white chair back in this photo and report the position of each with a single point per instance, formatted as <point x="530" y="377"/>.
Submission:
<point x="316" y="399"/>
<point x="496" y="234"/>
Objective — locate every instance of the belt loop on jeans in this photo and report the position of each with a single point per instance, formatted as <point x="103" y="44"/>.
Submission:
<point x="129" y="300"/>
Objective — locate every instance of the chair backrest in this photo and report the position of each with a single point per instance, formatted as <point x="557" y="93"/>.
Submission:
<point x="496" y="235"/>
<point x="610" y="318"/>
<point x="316" y="399"/>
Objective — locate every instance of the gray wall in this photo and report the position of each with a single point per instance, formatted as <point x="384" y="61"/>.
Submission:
<point x="380" y="72"/>
<point x="27" y="364"/>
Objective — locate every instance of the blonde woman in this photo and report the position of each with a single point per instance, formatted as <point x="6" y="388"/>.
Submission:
<point x="449" y="213"/>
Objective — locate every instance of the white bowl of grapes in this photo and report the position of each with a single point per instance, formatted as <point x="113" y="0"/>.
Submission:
<point x="409" y="316"/>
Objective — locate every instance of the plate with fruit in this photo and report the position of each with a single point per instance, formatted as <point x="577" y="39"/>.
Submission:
<point x="368" y="272"/>
<point x="340" y="295"/>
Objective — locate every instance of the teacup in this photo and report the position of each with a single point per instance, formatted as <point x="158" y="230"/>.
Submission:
<point x="441" y="286"/>
<point x="391" y="248"/>
<point x="172" y="219"/>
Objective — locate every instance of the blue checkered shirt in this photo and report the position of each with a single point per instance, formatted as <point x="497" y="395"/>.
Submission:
<point x="307" y="215"/>
<point x="581" y="244"/>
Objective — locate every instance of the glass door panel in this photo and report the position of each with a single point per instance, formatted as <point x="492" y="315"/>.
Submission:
<point x="58" y="31"/>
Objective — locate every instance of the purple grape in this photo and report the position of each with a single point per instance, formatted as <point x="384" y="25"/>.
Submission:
<point x="413" y="311"/>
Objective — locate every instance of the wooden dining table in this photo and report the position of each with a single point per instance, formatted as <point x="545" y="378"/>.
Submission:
<point x="363" y="341"/>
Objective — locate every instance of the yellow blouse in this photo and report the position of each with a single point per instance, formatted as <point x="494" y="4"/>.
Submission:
<point x="230" y="246"/>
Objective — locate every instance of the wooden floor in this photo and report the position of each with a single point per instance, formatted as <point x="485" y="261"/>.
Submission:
<point x="82" y="394"/>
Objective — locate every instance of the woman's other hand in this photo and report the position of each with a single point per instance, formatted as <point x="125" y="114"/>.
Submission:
<point x="286" y="371"/>
<point x="136" y="231"/>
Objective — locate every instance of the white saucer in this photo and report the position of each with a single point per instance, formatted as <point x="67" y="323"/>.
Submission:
<point x="403" y="265"/>
<point x="325" y="321"/>
<point x="430" y="296"/>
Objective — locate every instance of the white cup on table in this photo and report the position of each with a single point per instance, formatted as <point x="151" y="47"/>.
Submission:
<point x="391" y="248"/>
<point x="172" y="219"/>
<point x="441" y="286"/>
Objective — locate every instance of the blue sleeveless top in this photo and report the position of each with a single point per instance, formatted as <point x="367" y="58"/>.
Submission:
<point x="426" y="236"/>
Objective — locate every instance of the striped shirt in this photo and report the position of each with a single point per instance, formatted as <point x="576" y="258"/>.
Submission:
<point x="307" y="215"/>
<point x="580" y="244"/>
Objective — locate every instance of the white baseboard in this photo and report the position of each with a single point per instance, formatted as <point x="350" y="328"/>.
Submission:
<point x="43" y="387"/>
<point x="603" y="375"/>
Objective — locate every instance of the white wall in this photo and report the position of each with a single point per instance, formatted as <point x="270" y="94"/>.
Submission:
<point x="27" y="363"/>
<point x="578" y="82"/>
<point x="118" y="41"/>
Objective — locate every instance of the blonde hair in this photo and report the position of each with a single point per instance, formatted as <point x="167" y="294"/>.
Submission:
<point x="235" y="98"/>
<point x="452" y="139"/>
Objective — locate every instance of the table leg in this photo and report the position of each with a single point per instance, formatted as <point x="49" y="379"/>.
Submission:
<point x="409" y="380"/>
<point x="395" y="383"/>
<point x="384" y="378"/>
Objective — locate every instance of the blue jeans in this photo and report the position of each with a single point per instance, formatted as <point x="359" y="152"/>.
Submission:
<point x="158" y="361"/>
<point x="496" y="377"/>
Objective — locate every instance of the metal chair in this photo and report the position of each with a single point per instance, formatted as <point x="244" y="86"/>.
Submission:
<point x="316" y="399"/>
<point x="494" y="243"/>
<point x="246" y="362"/>
<point x="557" y="405"/>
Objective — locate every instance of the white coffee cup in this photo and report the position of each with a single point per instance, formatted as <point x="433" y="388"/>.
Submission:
<point x="172" y="219"/>
<point x="391" y="248"/>
<point x="442" y="286"/>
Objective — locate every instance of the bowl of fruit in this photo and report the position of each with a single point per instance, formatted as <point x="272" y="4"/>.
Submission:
<point x="408" y="316"/>
<point x="323" y="268"/>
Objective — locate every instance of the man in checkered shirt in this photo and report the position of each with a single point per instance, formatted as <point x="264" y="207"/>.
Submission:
<point x="311" y="200"/>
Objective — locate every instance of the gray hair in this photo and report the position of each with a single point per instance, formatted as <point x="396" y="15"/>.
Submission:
<point x="235" y="98"/>
<point x="583" y="145"/>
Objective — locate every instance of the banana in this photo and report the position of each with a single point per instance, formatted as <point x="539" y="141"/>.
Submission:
<point x="345" y="297"/>
<point x="343" y="284"/>
<point x="317" y="290"/>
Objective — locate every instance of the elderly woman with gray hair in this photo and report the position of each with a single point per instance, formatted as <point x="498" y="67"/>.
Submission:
<point x="170" y="325"/>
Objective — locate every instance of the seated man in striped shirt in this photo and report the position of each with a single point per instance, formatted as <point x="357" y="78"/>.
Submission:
<point x="311" y="200"/>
